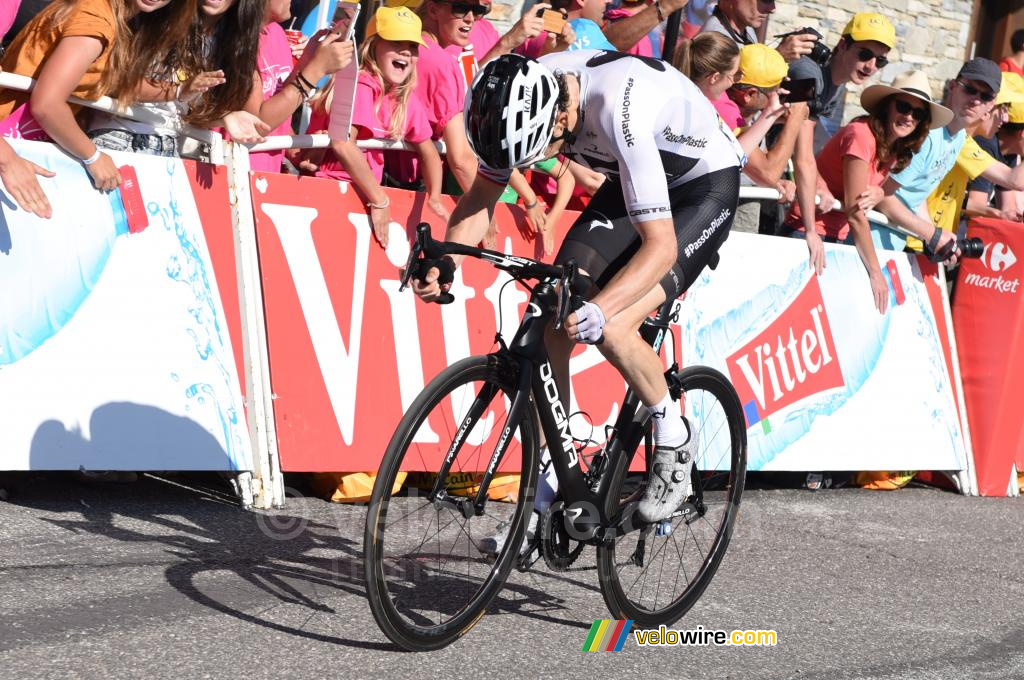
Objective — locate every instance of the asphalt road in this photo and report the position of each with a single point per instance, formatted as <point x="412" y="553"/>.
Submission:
<point x="168" y="578"/>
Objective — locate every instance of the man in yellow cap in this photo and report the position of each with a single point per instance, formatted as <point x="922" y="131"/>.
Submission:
<point x="1000" y="135"/>
<point x="861" y="52"/>
<point x="756" y="94"/>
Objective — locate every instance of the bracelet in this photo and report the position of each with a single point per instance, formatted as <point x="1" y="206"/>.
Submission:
<point x="303" y="92"/>
<point x="530" y="206"/>
<point x="91" y="159"/>
<point x="657" y="6"/>
<point x="380" y="206"/>
<point x="309" y="85"/>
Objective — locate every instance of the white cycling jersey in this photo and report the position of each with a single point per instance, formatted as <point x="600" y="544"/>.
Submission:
<point x="642" y="123"/>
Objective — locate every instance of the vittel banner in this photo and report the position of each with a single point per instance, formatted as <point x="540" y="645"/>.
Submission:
<point x="826" y="382"/>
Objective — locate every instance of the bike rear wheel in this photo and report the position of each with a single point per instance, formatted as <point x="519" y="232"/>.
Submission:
<point x="428" y="579"/>
<point x="655" y="574"/>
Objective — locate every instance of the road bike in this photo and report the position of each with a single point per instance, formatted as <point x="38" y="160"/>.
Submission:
<point x="429" y="580"/>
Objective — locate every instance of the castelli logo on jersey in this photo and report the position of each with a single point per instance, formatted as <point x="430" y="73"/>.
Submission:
<point x="793" y="358"/>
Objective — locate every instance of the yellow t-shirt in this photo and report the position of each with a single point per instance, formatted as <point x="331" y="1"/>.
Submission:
<point x="946" y="202"/>
<point x="37" y="40"/>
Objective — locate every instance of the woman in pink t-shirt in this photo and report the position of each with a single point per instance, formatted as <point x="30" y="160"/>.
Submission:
<point x="383" y="108"/>
<point x="858" y="159"/>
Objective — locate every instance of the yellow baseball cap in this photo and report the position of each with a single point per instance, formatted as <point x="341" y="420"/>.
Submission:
<point x="761" y="66"/>
<point x="1016" y="113"/>
<point x="411" y="4"/>
<point x="397" y="24"/>
<point x="1011" y="89"/>
<point x="871" y="26"/>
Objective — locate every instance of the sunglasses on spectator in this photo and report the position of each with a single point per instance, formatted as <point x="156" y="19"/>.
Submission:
<point x="864" y="54"/>
<point x="903" y="108"/>
<point x="461" y="9"/>
<point x="975" y="92"/>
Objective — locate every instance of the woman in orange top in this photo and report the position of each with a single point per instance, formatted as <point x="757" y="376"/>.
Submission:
<point x="87" y="49"/>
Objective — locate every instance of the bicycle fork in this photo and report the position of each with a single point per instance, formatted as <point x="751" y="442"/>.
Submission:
<point x="516" y="412"/>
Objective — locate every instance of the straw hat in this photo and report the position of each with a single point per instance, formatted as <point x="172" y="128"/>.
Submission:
<point x="913" y="83"/>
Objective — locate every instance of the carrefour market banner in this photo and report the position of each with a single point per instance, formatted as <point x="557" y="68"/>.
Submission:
<point x="826" y="382"/>
<point x="115" y="346"/>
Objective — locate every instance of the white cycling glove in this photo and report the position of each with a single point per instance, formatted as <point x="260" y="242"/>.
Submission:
<point x="590" y="323"/>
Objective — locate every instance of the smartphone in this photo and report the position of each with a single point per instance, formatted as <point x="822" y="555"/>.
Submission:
<point x="554" y="20"/>
<point x="131" y="199"/>
<point x="344" y="21"/>
<point x="800" y="90"/>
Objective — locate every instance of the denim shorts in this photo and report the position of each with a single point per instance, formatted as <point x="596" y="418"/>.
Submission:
<point x="123" y="140"/>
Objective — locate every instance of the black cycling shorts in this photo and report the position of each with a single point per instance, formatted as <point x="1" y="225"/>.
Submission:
<point x="603" y="239"/>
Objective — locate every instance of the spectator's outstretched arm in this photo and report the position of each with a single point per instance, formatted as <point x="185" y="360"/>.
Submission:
<point x="18" y="176"/>
<point x="806" y="170"/>
<point x="60" y="75"/>
<point x="328" y="56"/>
<point x="433" y="176"/>
<point x="978" y="206"/>
<point x="590" y="180"/>
<point x="563" y="193"/>
<point x="354" y="162"/>
<point x="766" y="168"/>
<point x="897" y="212"/>
<point x="529" y="26"/>
<point x="855" y="181"/>
<point x="461" y="159"/>
<point x="531" y="203"/>
<point x="1005" y="176"/>
<point x="626" y="32"/>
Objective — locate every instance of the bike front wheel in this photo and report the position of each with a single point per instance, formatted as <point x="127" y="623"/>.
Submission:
<point x="431" y="571"/>
<point x="654" y="574"/>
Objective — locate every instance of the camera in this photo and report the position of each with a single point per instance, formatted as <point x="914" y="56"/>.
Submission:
<point x="971" y="247"/>
<point x="819" y="53"/>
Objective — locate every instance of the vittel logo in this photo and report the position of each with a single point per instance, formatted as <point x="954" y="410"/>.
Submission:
<point x="793" y="358"/>
<point x="997" y="258"/>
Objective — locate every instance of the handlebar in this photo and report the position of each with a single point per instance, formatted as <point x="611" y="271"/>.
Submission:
<point x="427" y="252"/>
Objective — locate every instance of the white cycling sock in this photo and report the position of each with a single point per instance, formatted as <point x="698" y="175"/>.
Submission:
<point x="547" y="482"/>
<point x="669" y="428"/>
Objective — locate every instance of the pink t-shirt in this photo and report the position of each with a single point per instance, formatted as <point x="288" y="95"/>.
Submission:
<point x="643" y="47"/>
<point x="8" y="11"/>
<point x="857" y="140"/>
<point x="372" y="123"/>
<point x="275" y="65"/>
<point x="729" y="112"/>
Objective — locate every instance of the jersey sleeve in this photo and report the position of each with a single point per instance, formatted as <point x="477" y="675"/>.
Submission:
<point x="973" y="160"/>
<point x="641" y="167"/>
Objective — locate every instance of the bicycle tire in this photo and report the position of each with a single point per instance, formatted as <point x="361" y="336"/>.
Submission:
<point x="399" y="602"/>
<point x="620" y="596"/>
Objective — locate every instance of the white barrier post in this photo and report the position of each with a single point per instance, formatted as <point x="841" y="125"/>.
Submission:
<point x="268" y="485"/>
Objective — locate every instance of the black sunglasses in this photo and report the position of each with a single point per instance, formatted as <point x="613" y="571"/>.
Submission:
<point x="903" y="108"/>
<point x="975" y="92"/>
<point x="461" y="9"/>
<point x="881" y="61"/>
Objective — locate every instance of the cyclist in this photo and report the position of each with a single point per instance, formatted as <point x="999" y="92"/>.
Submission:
<point x="667" y="205"/>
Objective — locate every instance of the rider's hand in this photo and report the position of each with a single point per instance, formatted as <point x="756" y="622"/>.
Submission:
<point x="428" y="289"/>
<point x="586" y="324"/>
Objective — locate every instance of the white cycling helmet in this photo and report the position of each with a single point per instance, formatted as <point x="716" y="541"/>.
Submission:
<point x="510" y="111"/>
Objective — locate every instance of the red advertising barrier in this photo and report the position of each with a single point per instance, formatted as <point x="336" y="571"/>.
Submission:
<point x="348" y="352"/>
<point x="988" y="319"/>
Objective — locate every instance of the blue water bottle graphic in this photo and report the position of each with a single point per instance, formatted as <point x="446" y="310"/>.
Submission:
<point x="53" y="265"/>
<point x="842" y="326"/>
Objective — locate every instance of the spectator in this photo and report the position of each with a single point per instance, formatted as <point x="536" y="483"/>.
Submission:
<point x="630" y="31"/>
<point x="711" y="61"/>
<point x="224" y="37"/>
<point x="325" y="53"/>
<point x="384" y="108"/>
<point x="861" y="52"/>
<point x="75" y="48"/>
<point x="983" y="197"/>
<point x="750" y="107"/>
<point x="648" y="45"/>
<point x="448" y="28"/>
<point x="738" y="19"/>
<point x="855" y="163"/>
<point x="17" y="174"/>
<point x="1014" y="62"/>
<point x="925" y="197"/>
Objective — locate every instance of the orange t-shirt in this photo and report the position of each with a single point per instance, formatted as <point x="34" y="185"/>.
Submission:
<point x="854" y="140"/>
<point x="1010" y="66"/>
<point x="36" y="42"/>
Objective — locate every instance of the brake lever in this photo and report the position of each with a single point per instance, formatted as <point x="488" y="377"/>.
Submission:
<point x="407" y="272"/>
